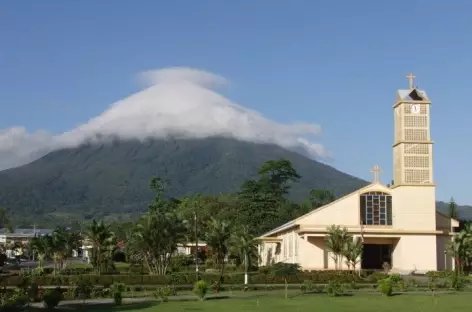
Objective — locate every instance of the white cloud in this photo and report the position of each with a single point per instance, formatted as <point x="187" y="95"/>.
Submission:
<point x="177" y="101"/>
<point x="18" y="147"/>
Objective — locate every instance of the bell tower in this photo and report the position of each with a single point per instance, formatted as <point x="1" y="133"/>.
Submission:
<point x="413" y="147"/>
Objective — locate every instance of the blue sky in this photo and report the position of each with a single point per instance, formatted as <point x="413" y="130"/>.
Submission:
<point x="334" y="63"/>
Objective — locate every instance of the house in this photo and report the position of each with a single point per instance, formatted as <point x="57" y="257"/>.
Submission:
<point x="182" y="249"/>
<point x="19" y="237"/>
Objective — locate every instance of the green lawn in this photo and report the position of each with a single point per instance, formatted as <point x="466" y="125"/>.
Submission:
<point x="357" y="303"/>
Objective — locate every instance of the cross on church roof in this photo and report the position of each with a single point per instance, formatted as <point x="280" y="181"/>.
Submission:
<point x="411" y="79"/>
<point x="376" y="172"/>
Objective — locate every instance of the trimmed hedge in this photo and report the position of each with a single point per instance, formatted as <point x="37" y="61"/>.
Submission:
<point x="136" y="270"/>
<point x="190" y="278"/>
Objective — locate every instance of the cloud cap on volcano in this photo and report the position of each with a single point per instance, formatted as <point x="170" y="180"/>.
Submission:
<point x="182" y="102"/>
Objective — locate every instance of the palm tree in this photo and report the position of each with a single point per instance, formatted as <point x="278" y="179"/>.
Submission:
<point x="64" y="242"/>
<point x="42" y="245"/>
<point x="460" y="248"/>
<point x="352" y="251"/>
<point x="103" y="245"/>
<point x="244" y="244"/>
<point x="217" y="238"/>
<point x="335" y="241"/>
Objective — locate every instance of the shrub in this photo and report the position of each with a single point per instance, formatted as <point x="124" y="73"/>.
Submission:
<point x="117" y="290"/>
<point x="432" y="284"/>
<point x="283" y="269"/>
<point x="118" y="287"/>
<point x="180" y="262"/>
<point x="413" y="283"/>
<point x="267" y="275"/>
<point x="402" y="286"/>
<point x="163" y="293"/>
<point x="440" y="274"/>
<point x="374" y="277"/>
<point x="395" y="278"/>
<point x="353" y="285"/>
<point x="307" y="286"/>
<point x="209" y="263"/>
<point x="106" y="292"/>
<point x="15" y="301"/>
<point x="33" y="293"/>
<point x="334" y="288"/>
<point x="28" y="272"/>
<point x="83" y="289"/>
<point x="52" y="297"/>
<point x="216" y="286"/>
<point x="457" y="281"/>
<point x="71" y="292"/>
<point x="118" y="298"/>
<point x="385" y="287"/>
<point x="200" y="289"/>
<point x="96" y="292"/>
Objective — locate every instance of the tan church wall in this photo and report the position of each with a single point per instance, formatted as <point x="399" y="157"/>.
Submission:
<point x="267" y="253"/>
<point x="287" y="250"/>
<point x="444" y="222"/>
<point x="413" y="208"/>
<point x="315" y="256"/>
<point x="344" y="212"/>
<point x="415" y="252"/>
<point x="445" y="261"/>
<point x="312" y="255"/>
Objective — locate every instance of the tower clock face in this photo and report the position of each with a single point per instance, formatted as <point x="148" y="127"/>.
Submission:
<point x="415" y="109"/>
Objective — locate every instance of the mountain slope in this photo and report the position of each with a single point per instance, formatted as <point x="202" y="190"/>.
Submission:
<point x="114" y="177"/>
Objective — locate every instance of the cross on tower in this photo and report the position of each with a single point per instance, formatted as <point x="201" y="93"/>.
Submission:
<point x="411" y="79"/>
<point x="376" y="172"/>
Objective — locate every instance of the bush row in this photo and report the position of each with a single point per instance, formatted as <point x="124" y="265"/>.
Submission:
<point x="187" y="278"/>
<point x="134" y="270"/>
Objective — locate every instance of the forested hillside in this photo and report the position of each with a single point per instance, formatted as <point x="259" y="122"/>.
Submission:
<point x="113" y="178"/>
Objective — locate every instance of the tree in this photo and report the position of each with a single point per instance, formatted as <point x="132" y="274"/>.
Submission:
<point x="158" y="232"/>
<point x="320" y="198"/>
<point x="261" y="200"/>
<point x="43" y="246"/>
<point x="460" y="249"/>
<point x="244" y="244"/>
<point x="352" y="252"/>
<point x="199" y="209"/>
<point x="5" y="222"/>
<point x="335" y="242"/>
<point x="452" y="209"/>
<point x="63" y="243"/>
<point x="103" y="243"/>
<point x="218" y="238"/>
<point x="278" y="174"/>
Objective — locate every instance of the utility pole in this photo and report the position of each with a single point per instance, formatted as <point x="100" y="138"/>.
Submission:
<point x="34" y="235"/>
<point x="196" y="246"/>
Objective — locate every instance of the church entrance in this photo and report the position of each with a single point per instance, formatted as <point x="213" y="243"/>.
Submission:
<point x="375" y="255"/>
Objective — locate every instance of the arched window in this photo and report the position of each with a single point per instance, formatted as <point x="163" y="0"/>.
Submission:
<point x="376" y="208"/>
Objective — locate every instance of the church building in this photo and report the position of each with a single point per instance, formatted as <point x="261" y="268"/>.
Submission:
<point x="397" y="224"/>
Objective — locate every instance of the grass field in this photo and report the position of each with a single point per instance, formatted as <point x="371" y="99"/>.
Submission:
<point x="357" y="303"/>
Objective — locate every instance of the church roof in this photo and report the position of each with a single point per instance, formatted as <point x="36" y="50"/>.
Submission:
<point x="376" y="186"/>
<point x="280" y="228"/>
<point x="293" y="223"/>
<point x="412" y="95"/>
